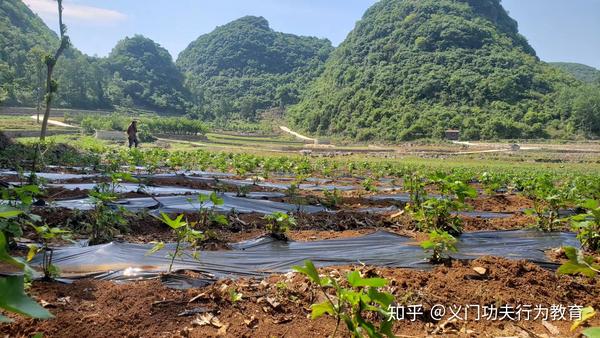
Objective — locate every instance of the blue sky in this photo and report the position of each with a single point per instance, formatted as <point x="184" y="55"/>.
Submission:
<point x="560" y="30"/>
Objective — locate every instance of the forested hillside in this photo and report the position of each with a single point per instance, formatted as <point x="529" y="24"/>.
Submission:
<point x="144" y="75"/>
<point x="581" y="72"/>
<point x="245" y="66"/>
<point x="24" y="40"/>
<point x="138" y="73"/>
<point x="411" y="69"/>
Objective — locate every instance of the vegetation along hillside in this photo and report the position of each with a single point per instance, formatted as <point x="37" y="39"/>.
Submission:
<point x="137" y="73"/>
<point x="245" y="66"/>
<point x="144" y="75"/>
<point x="581" y="72"/>
<point x="411" y="69"/>
<point x="24" y="40"/>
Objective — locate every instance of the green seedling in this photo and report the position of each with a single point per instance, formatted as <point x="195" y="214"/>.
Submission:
<point x="208" y="215"/>
<point x="352" y="304"/>
<point x="234" y="296"/>
<point x="547" y="201"/>
<point x="332" y="198"/>
<point x="369" y="185"/>
<point x="415" y="184"/>
<point x="46" y="235"/>
<point x="279" y="223"/>
<point x="184" y="234"/>
<point x="436" y="214"/>
<point x="17" y="209"/>
<point x="439" y="244"/>
<point x="587" y="226"/>
<point x="242" y="190"/>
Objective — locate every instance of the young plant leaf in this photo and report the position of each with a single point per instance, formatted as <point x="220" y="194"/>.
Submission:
<point x="355" y="280"/>
<point x="309" y="270"/>
<point x="318" y="310"/>
<point x="593" y="332"/>
<point x="586" y="314"/>
<point x="578" y="264"/>
<point x="8" y="212"/>
<point x="13" y="299"/>
<point x="4" y="256"/>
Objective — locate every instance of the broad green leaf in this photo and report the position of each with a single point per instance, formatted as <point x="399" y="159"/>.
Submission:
<point x="386" y="328"/>
<point x="350" y="296"/>
<point x="8" y="212"/>
<point x="591" y="204"/>
<point x="349" y="323"/>
<point x="578" y="264"/>
<point x="355" y="280"/>
<point x="571" y="268"/>
<point x="4" y="256"/>
<point x="586" y="314"/>
<point x="13" y="299"/>
<point x="309" y="270"/>
<point x="173" y="223"/>
<point x="216" y="200"/>
<point x="54" y="270"/>
<point x="427" y="245"/>
<point x="571" y="253"/>
<point x="34" y="217"/>
<point x="318" y="310"/>
<point x="382" y="298"/>
<point x="593" y="332"/>
<point x="580" y="217"/>
<point x="368" y="327"/>
<point x="220" y="219"/>
<point x="235" y="296"/>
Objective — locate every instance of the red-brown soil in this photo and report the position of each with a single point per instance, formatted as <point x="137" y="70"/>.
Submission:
<point x="501" y="203"/>
<point x="279" y="305"/>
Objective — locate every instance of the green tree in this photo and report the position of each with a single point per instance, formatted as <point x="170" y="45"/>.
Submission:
<point x="586" y="110"/>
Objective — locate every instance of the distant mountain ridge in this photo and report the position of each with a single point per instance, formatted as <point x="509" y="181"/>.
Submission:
<point x="413" y="68"/>
<point x="580" y="71"/>
<point x="245" y="66"/>
<point x="410" y="69"/>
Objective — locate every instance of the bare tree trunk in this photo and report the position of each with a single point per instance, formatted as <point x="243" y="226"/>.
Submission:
<point x="49" y="95"/>
<point x="50" y="86"/>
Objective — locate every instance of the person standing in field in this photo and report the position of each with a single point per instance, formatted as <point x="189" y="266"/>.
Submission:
<point x="132" y="134"/>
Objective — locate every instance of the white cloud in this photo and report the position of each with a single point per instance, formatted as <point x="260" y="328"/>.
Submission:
<point x="87" y="14"/>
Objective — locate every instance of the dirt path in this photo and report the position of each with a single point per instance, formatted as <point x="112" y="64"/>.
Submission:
<point x="56" y="123"/>
<point x="302" y="137"/>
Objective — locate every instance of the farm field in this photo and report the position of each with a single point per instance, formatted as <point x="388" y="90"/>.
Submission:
<point x="434" y="227"/>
